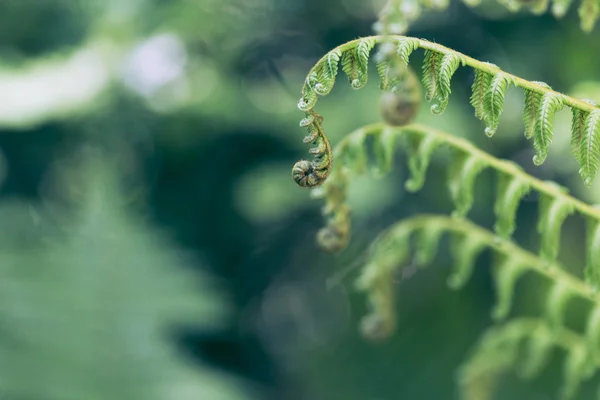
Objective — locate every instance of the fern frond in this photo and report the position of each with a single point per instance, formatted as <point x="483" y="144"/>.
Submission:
<point x="440" y="63"/>
<point x="592" y="331"/>
<point x="383" y="148"/>
<point x="578" y="367"/>
<point x="405" y="48"/>
<point x="479" y="88"/>
<point x="447" y="67"/>
<point x="560" y="7"/>
<point x="327" y="72"/>
<point x="430" y="73"/>
<point x="390" y="251"/>
<point x="556" y="303"/>
<point x="539" y="348"/>
<point x="462" y="173"/>
<point x="550" y="104"/>
<point x="532" y="103"/>
<point x="506" y="274"/>
<point x="494" y="101"/>
<point x="590" y="147"/>
<point x="313" y="173"/>
<point x="592" y="269"/>
<point x="465" y="248"/>
<point x="420" y="150"/>
<point x="509" y="193"/>
<point x="428" y="239"/>
<point x="589" y="10"/>
<point x="577" y="132"/>
<point x="553" y="212"/>
<point x="513" y="182"/>
<point x="498" y="353"/>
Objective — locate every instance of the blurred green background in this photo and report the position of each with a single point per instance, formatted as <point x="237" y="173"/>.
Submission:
<point x="153" y="244"/>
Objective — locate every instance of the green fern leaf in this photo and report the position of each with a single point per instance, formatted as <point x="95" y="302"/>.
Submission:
<point x="383" y="70"/>
<point x="588" y="14"/>
<point x="553" y="212"/>
<point x="405" y="48"/>
<point x="560" y="7"/>
<point x="350" y="66"/>
<point x="309" y="96"/>
<point x="465" y="249"/>
<point x="540" y="346"/>
<point x="550" y="104"/>
<point x="538" y="7"/>
<point x="556" y="303"/>
<point x="592" y="331"/>
<point x="461" y="180"/>
<point x="427" y="243"/>
<point x="577" y="131"/>
<point x="447" y="68"/>
<point x="479" y="88"/>
<point x="327" y="72"/>
<point x="578" y="367"/>
<point x="592" y="268"/>
<point x="383" y="149"/>
<point x="532" y="103"/>
<point x="389" y="251"/>
<point x="363" y="50"/>
<point x="590" y="147"/>
<point x="354" y="154"/>
<point x="494" y="101"/>
<point x="420" y="150"/>
<point x="431" y="73"/>
<point x="508" y="195"/>
<point x="506" y="274"/>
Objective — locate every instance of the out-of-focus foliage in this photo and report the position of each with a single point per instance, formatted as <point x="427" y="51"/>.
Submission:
<point x="196" y="100"/>
<point x="92" y="297"/>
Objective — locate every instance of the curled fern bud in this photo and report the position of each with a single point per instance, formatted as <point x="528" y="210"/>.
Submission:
<point x="400" y="106"/>
<point x="304" y="174"/>
<point x="331" y="239"/>
<point x="310" y="174"/>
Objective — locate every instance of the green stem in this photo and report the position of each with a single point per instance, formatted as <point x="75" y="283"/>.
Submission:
<point x="563" y="337"/>
<point x="550" y="270"/>
<point x="507" y="167"/>
<point x="471" y="62"/>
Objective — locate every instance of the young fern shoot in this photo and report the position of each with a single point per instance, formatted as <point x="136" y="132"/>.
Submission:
<point x="488" y="92"/>
<point x="467" y="163"/>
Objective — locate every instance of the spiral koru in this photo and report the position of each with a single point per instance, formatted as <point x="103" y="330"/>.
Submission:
<point x="313" y="173"/>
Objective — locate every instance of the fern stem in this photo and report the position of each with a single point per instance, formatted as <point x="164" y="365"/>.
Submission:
<point x="507" y="167"/>
<point x="469" y="61"/>
<point x="490" y="240"/>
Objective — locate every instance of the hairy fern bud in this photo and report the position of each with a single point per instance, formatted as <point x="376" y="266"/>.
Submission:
<point x="400" y="105"/>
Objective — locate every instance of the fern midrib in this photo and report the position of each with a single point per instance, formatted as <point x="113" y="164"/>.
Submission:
<point x="469" y="61"/>
<point x="459" y="225"/>
<point x="504" y="166"/>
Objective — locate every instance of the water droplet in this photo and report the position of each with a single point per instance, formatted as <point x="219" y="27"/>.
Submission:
<point x="538" y="160"/>
<point x="588" y="182"/>
<point x="489" y="132"/>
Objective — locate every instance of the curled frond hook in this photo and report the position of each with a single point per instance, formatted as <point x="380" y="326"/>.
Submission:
<point x="311" y="174"/>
